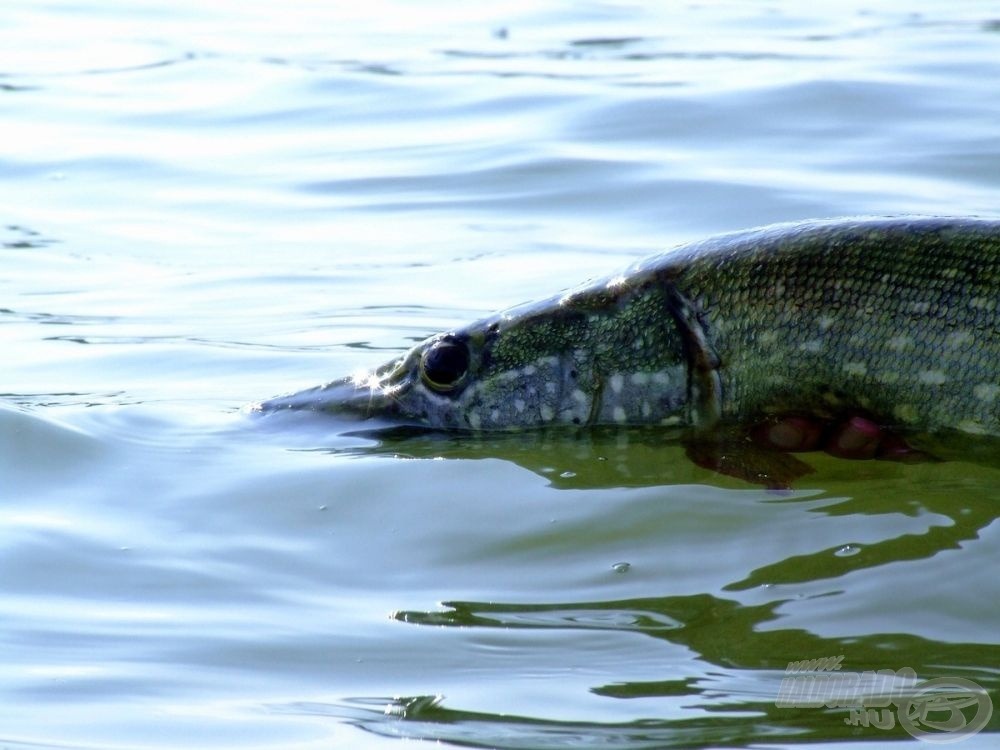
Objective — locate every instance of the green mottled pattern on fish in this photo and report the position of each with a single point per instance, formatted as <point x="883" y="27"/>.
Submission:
<point x="897" y="317"/>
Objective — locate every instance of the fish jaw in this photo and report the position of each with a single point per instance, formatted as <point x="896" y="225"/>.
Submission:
<point x="349" y="397"/>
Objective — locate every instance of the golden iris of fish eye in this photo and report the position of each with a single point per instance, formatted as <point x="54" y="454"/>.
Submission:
<point x="433" y="384"/>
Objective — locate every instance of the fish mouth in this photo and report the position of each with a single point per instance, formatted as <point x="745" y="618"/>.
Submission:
<point x="347" y="397"/>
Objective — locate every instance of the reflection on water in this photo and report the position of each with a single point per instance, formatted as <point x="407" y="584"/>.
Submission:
<point x="738" y="650"/>
<point x="567" y="458"/>
<point x="425" y="718"/>
<point x="915" y="536"/>
<point x="739" y="667"/>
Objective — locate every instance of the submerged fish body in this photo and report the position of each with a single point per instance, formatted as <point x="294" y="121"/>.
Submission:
<point x="898" y="318"/>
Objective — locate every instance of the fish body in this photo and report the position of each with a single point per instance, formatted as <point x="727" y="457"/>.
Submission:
<point x="898" y="318"/>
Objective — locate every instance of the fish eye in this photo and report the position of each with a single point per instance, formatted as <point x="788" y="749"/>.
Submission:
<point x="444" y="364"/>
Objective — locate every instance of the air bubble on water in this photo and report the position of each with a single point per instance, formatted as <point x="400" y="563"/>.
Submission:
<point x="847" y="550"/>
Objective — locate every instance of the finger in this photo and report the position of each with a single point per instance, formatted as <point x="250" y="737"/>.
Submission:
<point x="857" y="438"/>
<point x="790" y="434"/>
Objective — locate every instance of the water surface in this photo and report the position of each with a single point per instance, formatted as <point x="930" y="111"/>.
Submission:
<point x="206" y="206"/>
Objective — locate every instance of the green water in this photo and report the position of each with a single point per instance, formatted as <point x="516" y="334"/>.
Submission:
<point x="207" y="206"/>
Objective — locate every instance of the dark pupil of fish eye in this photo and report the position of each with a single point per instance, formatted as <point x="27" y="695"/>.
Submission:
<point x="446" y="362"/>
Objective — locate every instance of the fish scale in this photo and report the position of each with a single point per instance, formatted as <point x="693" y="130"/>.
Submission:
<point x="849" y="291"/>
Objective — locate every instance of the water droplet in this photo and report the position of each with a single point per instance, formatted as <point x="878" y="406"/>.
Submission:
<point x="847" y="550"/>
<point x="621" y="567"/>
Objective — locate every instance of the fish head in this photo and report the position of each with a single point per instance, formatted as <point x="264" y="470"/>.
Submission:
<point x="554" y="363"/>
<point x="509" y="371"/>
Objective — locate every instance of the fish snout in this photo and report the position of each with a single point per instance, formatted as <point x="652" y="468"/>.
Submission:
<point x="349" y="397"/>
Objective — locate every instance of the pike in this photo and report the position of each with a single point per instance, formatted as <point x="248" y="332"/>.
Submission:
<point x="896" y="319"/>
